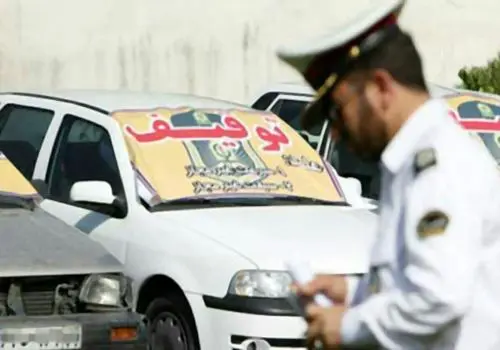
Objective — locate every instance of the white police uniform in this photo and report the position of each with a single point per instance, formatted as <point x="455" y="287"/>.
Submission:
<point x="434" y="280"/>
<point x="435" y="276"/>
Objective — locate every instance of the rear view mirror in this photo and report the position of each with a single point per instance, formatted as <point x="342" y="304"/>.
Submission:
<point x="97" y="192"/>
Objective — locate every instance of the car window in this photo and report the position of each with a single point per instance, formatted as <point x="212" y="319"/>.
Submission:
<point x="264" y="101"/>
<point x="22" y="131"/>
<point x="82" y="152"/>
<point x="290" y="111"/>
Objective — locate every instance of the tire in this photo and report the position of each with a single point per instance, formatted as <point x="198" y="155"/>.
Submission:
<point x="170" y="325"/>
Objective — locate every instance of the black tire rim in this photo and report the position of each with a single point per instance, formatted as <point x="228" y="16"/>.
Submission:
<point x="168" y="332"/>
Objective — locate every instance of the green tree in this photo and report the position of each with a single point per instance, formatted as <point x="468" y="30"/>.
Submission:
<point x="485" y="79"/>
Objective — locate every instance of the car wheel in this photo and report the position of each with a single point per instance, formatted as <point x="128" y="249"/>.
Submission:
<point x="170" y="325"/>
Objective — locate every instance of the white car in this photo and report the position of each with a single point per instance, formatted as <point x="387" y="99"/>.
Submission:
<point x="202" y="205"/>
<point x="288" y="100"/>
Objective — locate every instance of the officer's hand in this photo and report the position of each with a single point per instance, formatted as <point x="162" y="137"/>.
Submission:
<point x="324" y="325"/>
<point x="333" y="286"/>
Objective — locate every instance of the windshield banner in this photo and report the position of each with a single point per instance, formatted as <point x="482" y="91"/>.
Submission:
<point x="183" y="153"/>
<point x="480" y="115"/>
<point x="475" y="112"/>
<point x="12" y="182"/>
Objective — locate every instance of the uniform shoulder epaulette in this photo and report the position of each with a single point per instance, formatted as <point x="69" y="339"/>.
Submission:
<point x="424" y="159"/>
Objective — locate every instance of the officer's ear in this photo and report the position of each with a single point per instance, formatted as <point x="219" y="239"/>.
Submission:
<point x="381" y="88"/>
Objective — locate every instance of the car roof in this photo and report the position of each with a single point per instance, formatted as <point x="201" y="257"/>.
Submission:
<point x="111" y="100"/>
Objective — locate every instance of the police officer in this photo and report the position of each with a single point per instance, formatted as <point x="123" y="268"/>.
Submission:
<point x="434" y="279"/>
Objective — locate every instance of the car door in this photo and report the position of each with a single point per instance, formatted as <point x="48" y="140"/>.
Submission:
<point x="84" y="149"/>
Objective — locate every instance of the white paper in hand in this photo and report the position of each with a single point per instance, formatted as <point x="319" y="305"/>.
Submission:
<point x="302" y="274"/>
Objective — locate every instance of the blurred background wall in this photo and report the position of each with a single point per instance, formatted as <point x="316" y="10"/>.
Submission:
<point x="221" y="48"/>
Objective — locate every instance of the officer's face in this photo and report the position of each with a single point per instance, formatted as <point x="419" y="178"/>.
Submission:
<point x="360" y="119"/>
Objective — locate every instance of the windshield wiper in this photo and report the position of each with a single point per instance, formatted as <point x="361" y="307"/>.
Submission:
<point x="215" y="202"/>
<point x="204" y="202"/>
<point x="16" y="202"/>
<point x="307" y="200"/>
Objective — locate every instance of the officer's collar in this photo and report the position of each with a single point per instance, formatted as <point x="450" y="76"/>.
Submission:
<point x="402" y="145"/>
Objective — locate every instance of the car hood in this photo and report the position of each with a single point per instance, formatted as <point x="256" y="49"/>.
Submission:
<point x="34" y="243"/>
<point x="332" y="239"/>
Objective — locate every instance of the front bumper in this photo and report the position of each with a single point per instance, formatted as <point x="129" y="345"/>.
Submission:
<point x="229" y="323"/>
<point x="94" y="331"/>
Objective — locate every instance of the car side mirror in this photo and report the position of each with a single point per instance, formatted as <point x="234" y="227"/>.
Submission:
<point x="352" y="186"/>
<point x="95" y="192"/>
<point x="99" y="196"/>
<point x="354" y="194"/>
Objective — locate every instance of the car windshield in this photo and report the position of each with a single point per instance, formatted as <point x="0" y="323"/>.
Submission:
<point x="235" y="157"/>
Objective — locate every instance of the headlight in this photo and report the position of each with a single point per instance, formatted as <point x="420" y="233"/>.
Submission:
<point x="106" y="290"/>
<point x="260" y="283"/>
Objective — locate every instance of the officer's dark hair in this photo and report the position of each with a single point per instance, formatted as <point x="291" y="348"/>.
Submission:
<point x="399" y="57"/>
